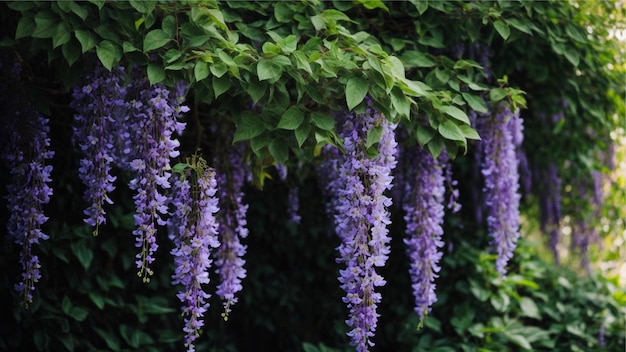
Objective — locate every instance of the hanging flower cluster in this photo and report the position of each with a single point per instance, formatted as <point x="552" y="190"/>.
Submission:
<point x="25" y="149"/>
<point x="154" y="117"/>
<point x="501" y="134"/>
<point x="101" y="115"/>
<point x="360" y="212"/>
<point x="231" y="175"/>
<point x="193" y="228"/>
<point x="423" y="198"/>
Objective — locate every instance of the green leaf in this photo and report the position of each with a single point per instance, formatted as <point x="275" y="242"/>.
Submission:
<point x="220" y="85"/>
<point x="424" y="134"/>
<point x="218" y="69"/>
<point x="108" y="53"/>
<point x="401" y="104"/>
<point x="279" y="150"/>
<point x="249" y="127"/>
<point x="97" y="299"/>
<point x="456" y="113"/>
<point x="572" y="55"/>
<point x="25" y="27"/>
<point x="302" y="133"/>
<point x="356" y="90"/>
<point x="109" y="338"/>
<point x="323" y="121"/>
<point x="79" y="313"/>
<point x="45" y="24"/>
<point x="256" y="90"/>
<point x="82" y="252"/>
<point x="465" y="64"/>
<point x="155" y="39"/>
<point x="291" y="118"/>
<point x="71" y="52"/>
<point x="201" y="70"/>
<point x="268" y="70"/>
<point x="373" y="136"/>
<point x="502" y="29"/>
<point x="497" y="94"/>
<point x="449" y="130"/>
<point x="282" y="12"/>
<point x="66" y="339"/>
<point x="414" y="58"/>
<point x="156" y="73"/>
<point x="529" y="308"/>
<point x="143" y="6"/>
<point x="475" y="102"/>
<point x="87" y="39"/>
<point x="373" y="4"/>
<point x="66" y="305"/>
<point x="518" y="340"/>
<point x="469" y="132"/>
<point x="435" y="146"/>
<point x="301" y="61"/>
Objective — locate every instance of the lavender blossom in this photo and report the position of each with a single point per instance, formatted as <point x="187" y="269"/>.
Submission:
<point x="193" y="228"/>
<point x="231" y="176"/>
<point x="25" y="149"/>
<point x="101" y="111"/>
<point x="424" y="213"/>
<point x="294" y="205"/>
<point x="361" y="218"/>
<point x="154" y="116"/>
<point x="500" y="133"/>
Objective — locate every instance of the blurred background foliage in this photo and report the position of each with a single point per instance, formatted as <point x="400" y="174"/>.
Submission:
<point x="557" y="58"/>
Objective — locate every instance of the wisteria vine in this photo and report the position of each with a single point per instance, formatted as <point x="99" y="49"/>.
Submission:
<point x="501" y="133"/>
<point x="25" y="150"/>
<point x="101" y="115"/>
<point x="154" y="117"/>
<point x="193" y="228"/>
<point x="423" y="190"/>
<point x="358" y="182"/>
<point x="231" y="175"/>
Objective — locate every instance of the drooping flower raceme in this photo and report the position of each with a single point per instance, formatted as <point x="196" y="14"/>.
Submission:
<point x="231" y="175"/>
<point x="361" y="218"/>
<point x="155" y="117"/>
<point x="25" y="149"/>
<point x="101" y="114"/>
<point x="193" y="228"/>
<point x="500" y="135"/>
<point x="424" y="214"/>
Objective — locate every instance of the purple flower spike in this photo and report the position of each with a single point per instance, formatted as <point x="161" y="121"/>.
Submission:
<point x="358" y="183"/>
<point x="154" y="118"/>
<point x="231" y="176"/>
<point x="193" y="228"/>
<point x="101" y="115"/>
<point x="501" y="133"/>
<point x="424" y="214"/>
<point x="24" y="147"/>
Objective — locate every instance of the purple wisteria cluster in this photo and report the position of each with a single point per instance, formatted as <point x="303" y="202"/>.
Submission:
<point x="25" y="150"/>
<point x="231" y="175"/>
<point x="501" y="133"/>
<point x="154" y="116"/>
<point x="423" y="198"/>
<point x="101" y="115"/>
<point x="193" y="228"/>
<point x="358" y="183"/>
